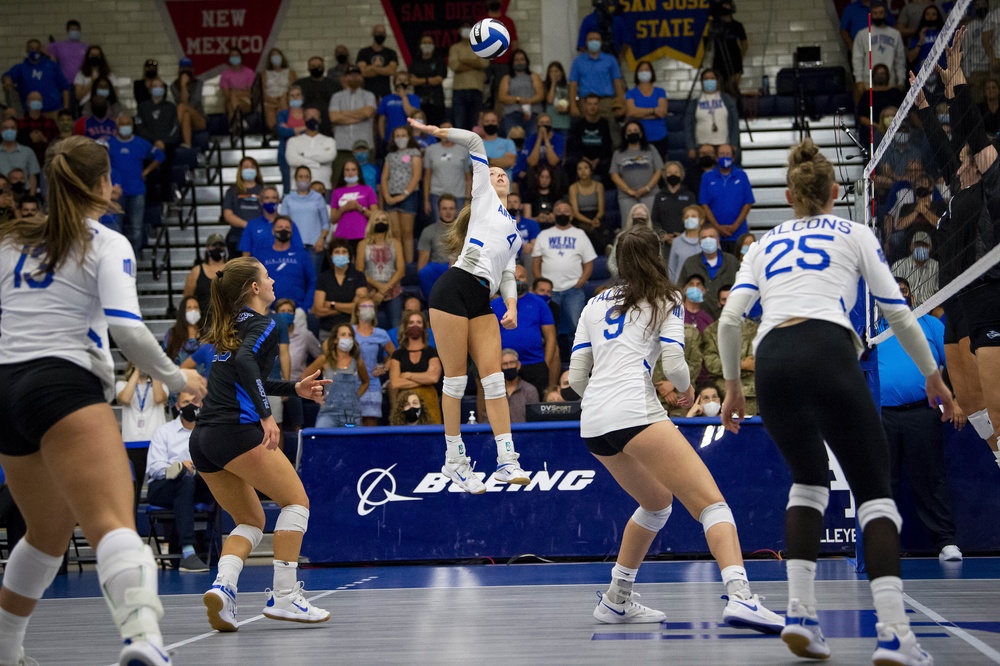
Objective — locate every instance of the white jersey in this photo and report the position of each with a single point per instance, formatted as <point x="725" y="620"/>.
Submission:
<point x="620" y="393"/>
<point x="811" y="268"/>
<point x="492" y="242"/>
<point x="65" y="314"/>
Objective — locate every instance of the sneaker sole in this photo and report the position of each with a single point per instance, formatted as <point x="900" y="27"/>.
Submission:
<point x="294" y="619"/>
<point x="799" y="645"/>
<point x="517" y="481"/>
<point x="214" y="605"/>
<point x="461" y="484"/>
<point x="889" y="658"/>
<point x="187" y="570"/>
<point x="739" y="623"/>
<point x="138" y="658"/>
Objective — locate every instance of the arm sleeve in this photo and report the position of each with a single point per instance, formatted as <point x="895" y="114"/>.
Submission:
<point x="508" y="286"/>
<point x="672" y="359"/>
<point x="745" y="291"/>
<point x="582" y="358"/>
<point x="967" y="122"/>
<point x="280" y="387"/>
<point x="477" y="152"/>
<point x="247" y="369"/>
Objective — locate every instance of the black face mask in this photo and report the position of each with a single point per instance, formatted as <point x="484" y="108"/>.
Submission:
<point x="878" y="22"/>
<point x="568" y="394"/>
<point x="922" y="192"/>
<point x="216" y="253"/>
<point x="283" y="236"/>
<point x="93" y="62"/>
<point x="706" y="161"/>
<point x="188" y="412"/>
<point x="881" y="80"/>
<point x="514" y="212"/>
<point x="490" y="129"/>
<point x="562" y="220"/>
<point x="411" y="414"/>
<point x="673" y="180"/>
<point x="510" y="374"/>
<point x="518" y="143"/>
<point x="17" y="188"/>
<point x="316" y="72"/>
<point x="982" y="12"/>
<point x="312" y="125"/>
<point x="522" y="288"/>
<point x="342" y="58"/>
<point x="380" y="39"/>
<point x="493" y="5"/>
<point x="381" y="228"/>
<point x="633" y="137"/>
<point x="150" y="74"/>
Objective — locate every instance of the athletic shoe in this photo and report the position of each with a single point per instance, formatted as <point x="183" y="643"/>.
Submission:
<point x="751" y="614"/>
<point x="802" y="634"/>
<point x="174" y="470"/>
<point x="220" y="604"/>
<point x="292" y="606"/>
<point x="143" y="653"/>
<point x="629" y="612"/>
<point x="897" y="646"/>
<point x="950" y="554"/>
<point x="509" y="471"/>
<point x="460" y="472"/>
<point x="193" y="564"/>
<point x="23" y="660"/>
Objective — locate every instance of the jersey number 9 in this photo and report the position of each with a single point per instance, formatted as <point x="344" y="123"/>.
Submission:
<point x="618" y="322"/>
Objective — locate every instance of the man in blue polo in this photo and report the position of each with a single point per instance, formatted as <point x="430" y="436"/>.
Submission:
<point x="289" y="266"/>
<point x="727" y="197"/>
<point x="42" y="74"/>
<point x="534" y="339"/>
<point x="597" y="73"/>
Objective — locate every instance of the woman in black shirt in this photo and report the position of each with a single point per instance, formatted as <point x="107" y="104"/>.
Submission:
<point x="415" y="366"/>
<point x="338" y="288"/>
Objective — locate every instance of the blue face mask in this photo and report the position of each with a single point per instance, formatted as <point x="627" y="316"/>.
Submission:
<point x="74" y="35"/>
<point x="694" y="295"/>
<point x="725" y="162"/>
<point x="235" y="60"/>
<point x="125" y="131"/>
<point x="9" y="135"/>
<point x="709" y="245"/>
<point x="34" y="55"/>
<point x="362" y="158"/>
<point x="921" y="253"/>
<point x="545" y="297"/>
<point x="271" y="207"/>
<point x="351" y="180"/>
<point x="157" y="91"/>
<point x="287" y="317"/>
<point x="710" y="85"/>
<point x="744" y="249"/>
<point x="341" y="260"/>
<point x="249" y="174"/>
<point x="295" y="103"/>
<point x="35" y="105"/>
<point x="594" y="45"/>
<point x="103" y="92"/>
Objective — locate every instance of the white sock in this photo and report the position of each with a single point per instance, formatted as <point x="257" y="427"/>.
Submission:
<point x="505" y="445"/>
<point x="801" y="584"/>
<point x="996" y="454"/>
<point x="125" y="566"/>
<point x="285" y="575"/>
<point x="982" y="424"/>
<point x="622" y="579"/>
<point x="230" y="567"/>
<point x="455" y="445"/>
<point x="735" y="580"/>
<point x="12" y="630"/>
<point x="887" y="593"/>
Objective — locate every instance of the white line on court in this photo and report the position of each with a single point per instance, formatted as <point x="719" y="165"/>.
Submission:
<point x="946" y="624"/>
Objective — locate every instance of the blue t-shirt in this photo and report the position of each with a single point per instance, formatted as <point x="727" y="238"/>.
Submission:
<point x="499" y="147"/>
<point x="371" y="347"/>
<point x="126" y="162"/>
<point x="526" y="339"/>
<point x="371" y="175"/>
<point x="925" y="47"/>
<point x="595" y="75"/>
<point x="45" y="77"/>
<point x="900" y="381"/>
<point x="529" y="231"/>
<point x="258" y="232"/>
<point x="292" y="271"/>
<point x="655" y="128"/>
<point x="855" y="18"/>
<point x="726" y="195"/>
<point x="391" y="107"/>
<point x="310" y="213"/>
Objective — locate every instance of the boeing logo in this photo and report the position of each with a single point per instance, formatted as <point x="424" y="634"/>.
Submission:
<point x="365" y="504"/>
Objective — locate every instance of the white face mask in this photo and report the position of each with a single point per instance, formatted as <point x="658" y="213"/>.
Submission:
<point x="366" y="314"/>
<point x="402" y="142"/>
<point x="645" y="76"/>
<point x="712" y="408"/>
<point x="345" y="344"/>
<point x="193" y="316"/>
<point x="465" y="32"/>
<point x="691" y="223"/>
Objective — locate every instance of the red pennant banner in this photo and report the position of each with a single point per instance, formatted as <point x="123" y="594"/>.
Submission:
<point x="441" y="19"/>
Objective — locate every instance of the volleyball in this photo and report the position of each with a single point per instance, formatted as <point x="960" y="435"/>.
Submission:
<point x="489" y="39"/>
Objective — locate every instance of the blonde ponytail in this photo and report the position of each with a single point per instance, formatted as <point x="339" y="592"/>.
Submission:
<point x="810" y="179"/>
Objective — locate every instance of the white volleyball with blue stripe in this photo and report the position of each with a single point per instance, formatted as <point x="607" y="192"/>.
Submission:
<point x="489" y="39"/>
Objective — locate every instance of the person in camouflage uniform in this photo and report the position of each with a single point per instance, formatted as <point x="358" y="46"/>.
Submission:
<point x="710" y="354"/>
<point x="693" y="355"/>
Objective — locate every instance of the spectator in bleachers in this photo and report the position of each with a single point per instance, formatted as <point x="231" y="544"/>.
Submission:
<point x="716" y="268"/>
<point x="40" y="73"/>
<point x="470" y="77"/>
<point x="500" y="152"/>
<point x="731" y="45"/>
<point x="927" y="33"/>
<point x="427" y="75"/>
<point x="258" y="231"/>
<point x="400" y="186"/>
<point x="520" y="171"/>
<point x="910" y="17"/>
<point x="727" y="197"/>
<point x="433" y="258"/>
<point x="412" y="302"/>
<point x="141" y="86"/>
<point x="694" y="299"/>
<point x="637" y="215"/>
<point x="534" y="339"/>
<point x="415" y="365"/>
<point x="883" y="95"/>
<point x="712" y="117"/>
<point x="30" y="207"/>
<point x="142" y="400"/>
<point x="14" y="155"/>
<point x="565" y="256"/>
<point x="303" y="346"/>
<point x="855" y="18"/>
<point x="338" y="289"/>
<point x="743" y="244"/>
<point x="64" y="121"/>
<point x="378" y="63"/>
<point x="544" y="146"/>
<point x="308" y="210"/>
<point x="542" y="194"/>
<point x="318" y="88"/>
<point x="312" y="149"/>
<point x="94" y="65"/>
<point x="557" y="97"/>
<point x="128" y="154"/>
<point x="343" y="59"/>
<point x="341" y="361"/>
<point x="376" y="350"/>
<point x="235" y="83"/>
<point x="291" y="123"/>
<point x="276" y="79"/>
<point x="888" y="51"/>
<point x="520" y="393"/>
<point x="635" y="170"/>
<point x="182" y="339"/>
<point x="187" y="93"/>
<point x="597" y="73"/>
<point x="291" y="267"/>
<point x="447" y="170"/>
<point x="526" y="227"/>
<point x="100" y="113"/>
<point x="407" y="410"/>
<point x="704" y="162"/>
<point x="976" y="60"/>
<point x="647" y="104"/>
<point x="920" y="214"/>
<point x="669" y="397"/>
<point x="70" y="52"/>
<point x="156" y="122"/>
<point x="748" y="364"/>
<point x="242" y="203"/>
<point x="17" y="178"/>
<point x="36" y="130"/>
<point x="610" y="25"/>
<point x="586" y="198"/>
<point x="521" y="94"/>
<point x="669" y="205"/>
<point x="199" y="280"/>
<point x="172" y="480"/>
<point x="351" y="113"/>
<point x="708" y="403"/>
<point x="918" y="269"/>
<point x="396" y="107"/>
<point x="362" y="153"/>
<point x="352" y="203"/>
<point x="380" y="257"/>
<point x="990" y="108"/>
<point x="590" y="139"/>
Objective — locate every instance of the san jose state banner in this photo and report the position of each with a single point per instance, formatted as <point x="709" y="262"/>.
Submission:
<point x="665" y="28"/>
<point x="441" y="19"/>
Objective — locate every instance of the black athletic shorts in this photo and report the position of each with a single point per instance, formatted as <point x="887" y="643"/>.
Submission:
<point x="461" y="293"/>
<point x="981" y="306"/>
<point x="212" y="447"/>
<point x="955" y="325"/>
<point x="612" y="443"/>
<point x="36" y="395"/>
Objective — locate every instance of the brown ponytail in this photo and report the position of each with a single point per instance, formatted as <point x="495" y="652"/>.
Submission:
<point x="74" y="170"/>
<point x="810" y="179"/>
<point x="643" y="275"/>
<point x="454" y="240"/>
<point x="230" y="293"/>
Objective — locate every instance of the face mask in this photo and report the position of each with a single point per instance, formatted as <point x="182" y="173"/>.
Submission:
<point x="105" y="92"/>
<point x="341" y="58"/>
<point x="744" y="249"/>
<point x="216" y="253"/>
<point x="706" y="161"/>
<point x="545" y="297"/>
<point x="522" y="288"/>
<point x="673" y="180"/>
<point x="73" y="35"/>
<point x="520" y="67"/>
<point x="514" y="212"/>
<point x="150" y="74"/>
<point x="509" y="374"/>
<point x="381" y="228"/>
<point x="427" y="49"/>
<point x="922" y="191"/>
<point x="9" y="135"/>
<point x="944" y="119"/>
<point x="694" y="295"/>
<point x="34" y="55"/>
<point x="345" y="344"/>
<point x="645" y="76"/>
<point x="712" y="408"/>
<point x="518" y="143"/>
<point x="283" y="236"/>
<point x="726" y="162"/>
<point x="411" y="414"/>
<point x="903" y="138"/>
<point x="94" y="61"/>
<point x="249" y="174"/>
<point x="709" y="245"/>
<point x="125" y="131"/>
<point x="982" y="12"/>
<point x="17" y="188"/>
<point x="287" y="317"/>
<point x="633" y="137"/>
<point x="193" y="316"/>
<point x="276" y="60"/>
<point x="562" y="220"/>
<point x="157" y="91"/>
<point x="380" y="39"/>
<point x="340" y="260"/>
<point x="710" y="85"/>
<point x="881" y="80"/>
<point x="316" y="72"/>
<point x="271" y="207"/>
<point x="490" y="129"/>
<point x="594" y="45"/>
<point x="302" y="185"/>
<point x="362" y="158"/>
<point x="691" y="223"/>
<point x="465" y="32"/>
<point x="493" y="6"/>
<point x="879" y="22"/>
<point x="188" y="412"/>
<point x="366" y="313"/>
<point x="921" y="253"/>
<point x="402" y="143"/>
<point x="350" y="180"/>
<point x="235" y="60"/>
<point x="414" y="332"/>
<point x="568" y="394"/>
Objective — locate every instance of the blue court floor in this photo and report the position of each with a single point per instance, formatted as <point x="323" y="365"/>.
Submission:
<point x="527" y="614"/>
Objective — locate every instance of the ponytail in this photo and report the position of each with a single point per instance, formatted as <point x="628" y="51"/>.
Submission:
<point x="810" y="179"/>
<point x="454" y="240"/>
<point x="230" y="293"/>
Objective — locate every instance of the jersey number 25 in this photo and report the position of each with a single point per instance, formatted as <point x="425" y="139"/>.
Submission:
<point x="818" y="258"/>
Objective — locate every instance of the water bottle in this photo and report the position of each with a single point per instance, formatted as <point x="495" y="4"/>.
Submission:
<point x="472" y="417"/>
<point x="765" y="84"/>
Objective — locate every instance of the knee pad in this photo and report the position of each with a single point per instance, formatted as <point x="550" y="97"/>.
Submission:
<point x="128" y="576"/>
<point x="813" y="497"/>
<point x="29" y="571"/>
<point x="883" y="507"/>
<point x="652" y="520"/>
<point x="248" y="532"/>
<point x="494" y="386"/>
<point x="454" y="387"/>
<point x="714" y="514"/>
<point x="293" y="518"/>
<point x="982" y="424"/>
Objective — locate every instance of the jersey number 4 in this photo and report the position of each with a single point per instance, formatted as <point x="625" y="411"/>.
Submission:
<point x="22" y="276"/>
<point x="818" y="258"/>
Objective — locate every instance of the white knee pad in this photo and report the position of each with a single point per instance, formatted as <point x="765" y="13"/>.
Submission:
<point x="250" y="533"/>
<point x="128" y="576"/>
<point x="293" y="518"/>
<point x="652" y="520"/>
<point x="982" y="424"/>
<point x="29" y="571"/>
<point x="714" y="514"/>
<point x="494" y="386"/>
<point x="454" y="387"/>
<point x="813" y="497"/>
<point x="883" y="507"/>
